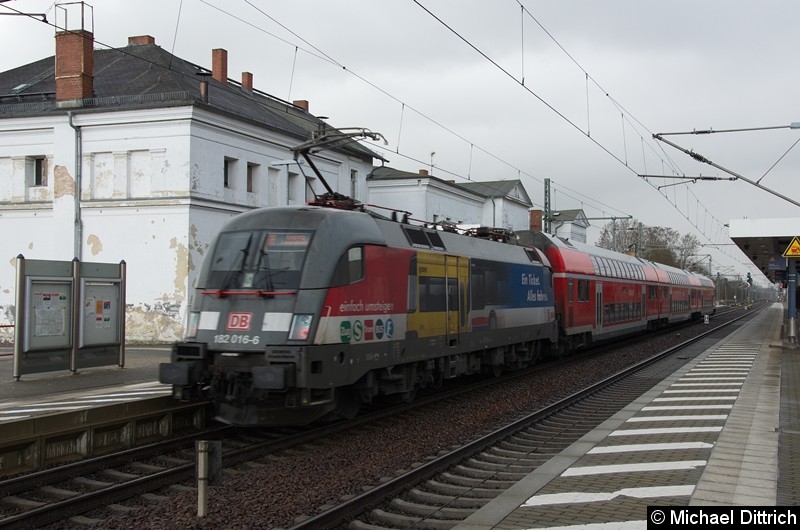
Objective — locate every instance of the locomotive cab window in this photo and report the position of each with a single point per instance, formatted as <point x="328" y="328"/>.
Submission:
<point x="257" y="259"/>
<point x="350" y="268"/>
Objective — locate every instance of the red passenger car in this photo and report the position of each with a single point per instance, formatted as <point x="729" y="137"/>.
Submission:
<point x="601" y="294"/>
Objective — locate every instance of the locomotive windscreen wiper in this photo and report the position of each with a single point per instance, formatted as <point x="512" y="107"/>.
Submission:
<point x="264" y="255"/>
<point x="234" y="270"/>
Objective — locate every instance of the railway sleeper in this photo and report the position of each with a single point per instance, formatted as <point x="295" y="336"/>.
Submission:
<point x="454" y="501"/>
<point x="436" y="512"/>
<point x="405" y="521"/>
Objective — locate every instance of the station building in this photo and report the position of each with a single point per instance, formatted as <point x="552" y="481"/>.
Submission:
<point x="134" y="154"/>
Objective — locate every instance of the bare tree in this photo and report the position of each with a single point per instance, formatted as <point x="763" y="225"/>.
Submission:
<point x="621" y="235"/>
<point x="659" y="243"/>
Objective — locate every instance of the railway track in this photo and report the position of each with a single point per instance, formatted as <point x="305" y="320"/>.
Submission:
<point x="443" y="492"/>
<point x="64" y="492"/>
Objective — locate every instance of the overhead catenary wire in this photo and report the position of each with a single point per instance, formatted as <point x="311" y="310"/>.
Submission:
<point x="613" y="101"/>
<point x="561" y="115"/>
<point x="322" y="55"/>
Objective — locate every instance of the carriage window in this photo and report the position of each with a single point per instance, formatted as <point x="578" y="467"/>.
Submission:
<point x="436" y="294"/>
<point x="583" y="290"/>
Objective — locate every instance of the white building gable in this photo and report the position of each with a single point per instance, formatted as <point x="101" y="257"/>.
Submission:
<point x="501" y="204"/>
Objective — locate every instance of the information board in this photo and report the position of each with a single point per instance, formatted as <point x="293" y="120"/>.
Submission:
<point x="68" y="315"/>
<point x="49" y="314"/>
<point x="100" y="314"/>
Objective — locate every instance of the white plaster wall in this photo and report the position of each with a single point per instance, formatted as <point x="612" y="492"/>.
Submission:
<point x="446" y="203"/>
<point x="403" y="195"/>
<point x="29" y="234"/>
<point x="153" y="242"/>
<point x="426" y="199"/>
<point x="504" y="213"/>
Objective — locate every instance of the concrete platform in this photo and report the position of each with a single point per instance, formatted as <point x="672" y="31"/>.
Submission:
<point x="57" y="417"/>
<point x="51" y="392"/>
<point x="722" y="431"/>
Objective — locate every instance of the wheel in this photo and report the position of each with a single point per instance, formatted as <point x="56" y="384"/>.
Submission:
<point x="497" y="370"/>
<point x="347" y="403"/>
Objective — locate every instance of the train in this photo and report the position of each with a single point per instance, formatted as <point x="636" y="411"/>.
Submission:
<point x="306" y="313"/>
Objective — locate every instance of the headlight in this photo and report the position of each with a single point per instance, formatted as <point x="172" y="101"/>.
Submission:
<point x="301" y="326"/>
<point x="191" y="329"/>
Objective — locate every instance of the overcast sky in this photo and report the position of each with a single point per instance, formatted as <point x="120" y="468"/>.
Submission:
<point x="570" y="90"/>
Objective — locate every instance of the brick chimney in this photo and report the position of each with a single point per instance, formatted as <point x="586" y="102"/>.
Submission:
<point x="141" y="40"/>
<point x="74" y="66"/>
<point x="535" y="220"/>
<point x="247" y="81"/>
<point x="219" y="65"/>
<point x="423" y="172"/>
<point x="302" y="103"/>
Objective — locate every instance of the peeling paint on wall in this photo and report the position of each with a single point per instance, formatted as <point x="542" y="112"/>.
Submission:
<point x="64" y="185"/>
<point x="95" y="243"/>
<point x="194" y="178"/>
<point x="200" y="249"/>
<point x="181" y="267"/>
<point x="153" y="324"/>
<point x="39" y="193"/>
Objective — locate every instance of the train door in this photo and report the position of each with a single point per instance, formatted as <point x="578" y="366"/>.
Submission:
<point x="643" y="313"/>
<point x="456" y="277"/>
<point x="428" y="296"/>
<point x="598" y="306"/>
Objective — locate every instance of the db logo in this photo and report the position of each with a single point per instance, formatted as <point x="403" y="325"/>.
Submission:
<point x="239" y="321"/>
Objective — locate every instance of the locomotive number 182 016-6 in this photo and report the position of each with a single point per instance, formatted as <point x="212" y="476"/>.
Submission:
<point x="226" y="338"/>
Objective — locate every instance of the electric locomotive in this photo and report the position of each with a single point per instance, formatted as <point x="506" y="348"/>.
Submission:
<point x="290" y="325"/>
<point x="305" y="313"/>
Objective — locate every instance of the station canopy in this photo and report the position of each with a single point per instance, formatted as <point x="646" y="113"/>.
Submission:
<point x="766" y="241"/>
